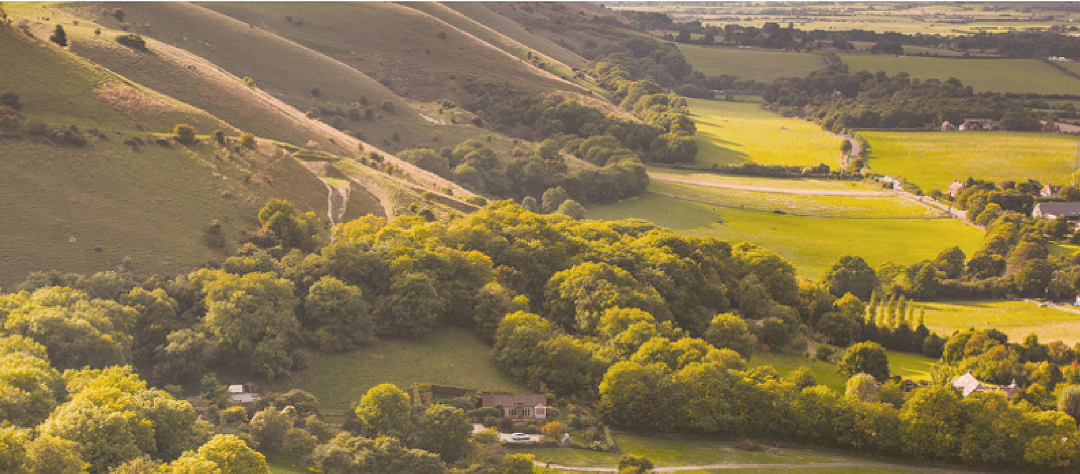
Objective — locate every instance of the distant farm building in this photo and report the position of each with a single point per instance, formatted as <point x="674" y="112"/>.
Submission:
<point x="1049" y="190"/>
<point x="245" y="393"/>
<point x="955" y="188"/>
<point x="977" y="124"/>
<point x="947" y="126"/>
<point x="519" y="407"/>
<point x="1053" y="210"/>
<point x="968" y="384"/>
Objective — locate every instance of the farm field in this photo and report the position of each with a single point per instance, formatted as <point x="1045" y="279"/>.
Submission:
<point x="901" y="241"/>
<point x="737" y="132"/>
<point x="449" y="356"/>
<point x="757" y="182"/>
<point x="763" y="65"/>
<point x="818" y="206"/>
<point x="700" y="450"/>
<point x="932" y="160"/>
<point x="997" y="75"/>
<point x="1017" y="319"/>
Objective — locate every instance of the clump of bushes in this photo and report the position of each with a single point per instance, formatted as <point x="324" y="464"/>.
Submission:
<point x="184" y="133"/>
<point x="132" y="41"/>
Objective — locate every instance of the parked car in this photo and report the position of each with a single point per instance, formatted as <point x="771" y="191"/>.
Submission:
<point x="519" y="437"/>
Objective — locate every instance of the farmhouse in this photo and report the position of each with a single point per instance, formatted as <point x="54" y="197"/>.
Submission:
<point x="1053" y="210"/>
<point x="947" y="126"/>
<point x="1049" y="190"/>
<point x="529" y="407"/>
<point x="972" y="124"/>
<point x="955" y="188"/>
<point x="246" y="393"/>
<point x="968" y="384"/>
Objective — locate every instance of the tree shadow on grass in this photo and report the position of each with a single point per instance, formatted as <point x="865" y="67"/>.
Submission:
<point x="713" y="149"/>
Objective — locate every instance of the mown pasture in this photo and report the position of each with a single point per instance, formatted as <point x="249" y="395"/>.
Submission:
<point x="793" y="184"/>
<point x="737" y="132"/>
<point x="764" y="65"/>
<point x="1017" y="319"/>
<point x="449" y="356"/>
<point x="811" y="244"/>
<point x="932" y="160"/>
<point x="996" y="75"/>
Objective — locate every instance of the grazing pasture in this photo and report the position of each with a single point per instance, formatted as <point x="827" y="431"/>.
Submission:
<point x="763" y="65"/>
<point x="1017" y="319"/>
<point x="997" y="75"/>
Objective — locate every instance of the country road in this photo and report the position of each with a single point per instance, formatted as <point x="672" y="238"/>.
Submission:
<point x="824" y="466"/>
<point x="800" y="192"/>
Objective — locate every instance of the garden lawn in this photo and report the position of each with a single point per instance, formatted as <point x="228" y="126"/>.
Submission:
<point x="1017" y="319"/>
<point x="736" y="132"/>
<point x="447" y="356"/>
<point x="933" y="160"/>
<point x="764" y="65"/>
<point x="811" y="244"/>
<point x="997" y="75"/>
<point x="824" y="372"/>
<point x="910" y="366"/>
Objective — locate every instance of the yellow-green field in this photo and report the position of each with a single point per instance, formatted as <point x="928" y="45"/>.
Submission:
<point x="448" y="356"/>
<point x="998" y="75"/>
<point x="753" y="181"/>
<point x="932" y="160"/>
<point x="737" y="132"/>
<point x="1017" y="319"/>
<point x="764" y="65"/>
<point x="812" y="244"/>
<point x="818" y="206"/>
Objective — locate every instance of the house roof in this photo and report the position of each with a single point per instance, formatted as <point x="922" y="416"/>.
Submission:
<point x="513" y="400"/>
<point x="1070" y="209"/>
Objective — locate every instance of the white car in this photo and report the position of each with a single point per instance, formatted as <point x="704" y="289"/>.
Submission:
<point x="519" y="437"/>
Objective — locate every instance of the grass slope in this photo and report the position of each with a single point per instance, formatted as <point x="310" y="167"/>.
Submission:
<point x="57" y="87"/>
<point x="479" y="12"/>
<point x="901" y="241"/>
<point x="449" y="356"/>
<point x="395" y="44"/>
<point x="998" y="75"/>
<point x="85" y="209"/>
<point x="737" y="132"/>
<point x="762" y="65"/>
<point x="932" y="160"/>
<point x="1017" y="319"/>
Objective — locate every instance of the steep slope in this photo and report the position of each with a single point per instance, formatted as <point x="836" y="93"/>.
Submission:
<point x="580" y="27"/>
<point x="481" y="14"/>
<point x="416" y="55"/>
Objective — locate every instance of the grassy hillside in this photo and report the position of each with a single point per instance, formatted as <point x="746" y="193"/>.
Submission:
<point x="758" y="64"/>
<point x="85" y="209"/>
<point x="737" y="132"/>
<point x="397" y="45"/>
<point x="901" y="241"/>
<point x="998" y="75"/>
<point x="481" y="13"/>
<point x="55" y="86"/>
<point x="932" y="160"/>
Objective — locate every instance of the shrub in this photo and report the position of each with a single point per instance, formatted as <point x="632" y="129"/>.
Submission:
<point x="132" y="41"/>
<point x="59" y="36"/>
<point x="119" y="14"/>
<point x="247" y="140"/>
<point x="10" y="99"/>
<point x="387" y="106"/>
<point x="184" y="133"/>
<point x="248" y="81"/>
<point x="219" y="136"/>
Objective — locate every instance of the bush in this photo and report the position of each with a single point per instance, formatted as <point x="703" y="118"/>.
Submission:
<point x="59" y="36"/>
<point x="387" y="106"/>
<point x="132" y="41"/>
<point x="10" y="99"/>
<point x="184" y="133"/>
<point x="868" y="357"/>
<point x="247" y="140"/>
<point x="219" y="136"/>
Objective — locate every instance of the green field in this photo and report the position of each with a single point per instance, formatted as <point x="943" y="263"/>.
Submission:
<point x="932" y="160"/>
<point x="817" y="206"/>
<point x="901" y="241"/>
<point x="673" y="451"/>
<point x="763" y="65"/>
<point x="997" y="75"/>
<point x="448" y="356"/>
<point x="737" y="132"/>
<point x="1017" y="319"/>
<point x="824" y="372"/>
<point x="753" y="181"/>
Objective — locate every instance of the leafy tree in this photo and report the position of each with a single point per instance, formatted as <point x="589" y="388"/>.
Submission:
<point x="337" y="315"/>
<point x="572" y="209"/>
<point x="296" y="231"/>
<point x="414" y="306"/>
<point x="552" y="199"/>
<point x="232" y="455"/>
<point x="444" y="431"/>
<point x="268" y="429"/>
<point x="52" y="455"/>
<point x="518" y="463"/>
<point x="730" y="331"/>
<point x="931" y="421"/>
<point x="577" y="297"/>
<point x="184" y="133"/>
<point x="839" y="329"/>
<point x="185" y="356"/>
<point x="384" y="409"/>
<point x="851" y="274"/>
<point x="247" y="140"/>
<point x="865" y="357"/>
<point x="951" y="261"/>
<point x="493" y="302"/>
<point x="639" y="397"/>
<point x="517" y="341"/>
<point x="59" y="36"/>
<point x="1068" y="401"/>
<point x="863" y="387"/>
<point x="631" y="464"/>
<point x="253" y="317"/>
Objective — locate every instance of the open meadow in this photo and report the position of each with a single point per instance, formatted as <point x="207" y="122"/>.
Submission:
<point x="792" y="184"/>
<point x="902" y="241"/>
<point x="763" y="65"/>
<point x="932" y="160"/>
<point x="997" y="75"/>
<point x="1017" y="319"/>
<point x="449" y="356"/>
<point x="737" y="132"/>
